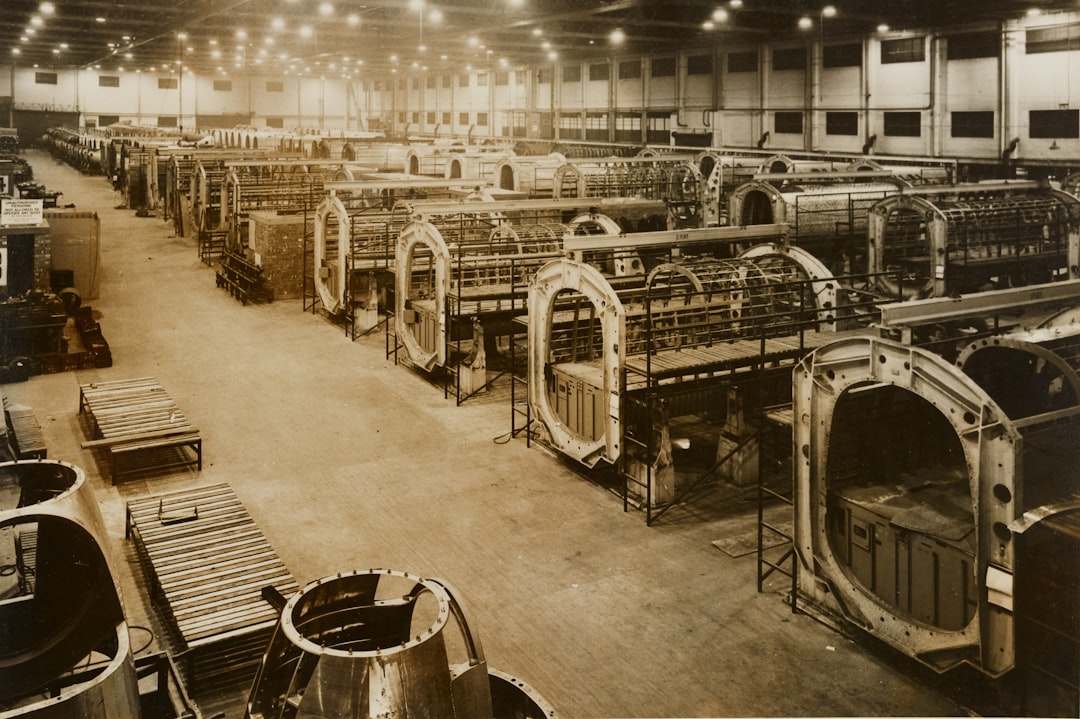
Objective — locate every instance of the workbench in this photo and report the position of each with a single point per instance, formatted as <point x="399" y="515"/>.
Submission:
<point x="140" y="426"/>
<point x="207" y="562"/>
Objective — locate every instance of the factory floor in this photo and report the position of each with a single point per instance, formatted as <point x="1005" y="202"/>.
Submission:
<point x="347" y="461"/>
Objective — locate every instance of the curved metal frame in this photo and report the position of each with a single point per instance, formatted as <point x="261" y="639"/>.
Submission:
<point x="420" y="233"/>
<point x="332" y="301"/>
<point x="991" y="445"/>
<point x="553" y="278"/>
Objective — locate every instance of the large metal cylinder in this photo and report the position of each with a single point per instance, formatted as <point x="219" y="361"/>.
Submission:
<point x="380" y="643"/>
<point x="64" y="646"/>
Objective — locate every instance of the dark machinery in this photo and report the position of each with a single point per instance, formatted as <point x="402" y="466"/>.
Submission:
<point x="382" y="643"/>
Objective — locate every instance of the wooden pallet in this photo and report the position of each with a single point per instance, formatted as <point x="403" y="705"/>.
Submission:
<point x="207" y="562"/>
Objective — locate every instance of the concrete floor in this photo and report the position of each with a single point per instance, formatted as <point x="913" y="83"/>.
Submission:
<point x="346" y="461"/>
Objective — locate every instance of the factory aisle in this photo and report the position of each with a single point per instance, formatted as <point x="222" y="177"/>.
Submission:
<point x="346" y="461"/>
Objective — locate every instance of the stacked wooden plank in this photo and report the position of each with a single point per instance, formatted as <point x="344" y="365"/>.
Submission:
<point x="25" y="437"/>
<point x="207" y="562"/>
<point x="140" y="425"/>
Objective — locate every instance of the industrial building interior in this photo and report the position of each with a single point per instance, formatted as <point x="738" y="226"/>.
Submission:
<point x="538" y="358"/>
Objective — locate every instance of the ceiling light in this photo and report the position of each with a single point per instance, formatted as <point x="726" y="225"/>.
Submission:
<point x="56" y="51"/>
<point x="708" y="25"/>
<point x="515" y="3"/>
<point x="24" y="38"/>
<point x="46" y="8"/>
<point x="435" y="16"/>
<point x="99" y="19"/>
<point x="278" y="23"/>
<point x="617" y="37"/>
<point x="421" y="48"/>
<point x="553" y="56"/>
<point x="545" y="45"/>
<point x="353" y="19"/>
<point x="883" y="28"/>
<point x="181" y="36"/>
<point x="1034" y="12"/>
<point x="213" y="42"/>
<point x="16" y="51"/>
<point x="216" y="54"/>
<point x="128" y="56"/>
<point x="31" y="31"/>
<point x="306" y="31"/>
<point x="474" y="41"/>
<point x="36" y="21"/>
<point x="241" y="34"/>
<point x="326" y="9"/>
<point x="63" y="46"/>
<point x="537" y="32"/>
<point x="416" y="5"/>
<point x="828" y="11"/>
<point x="805" y="23"/>
<point x="720" y="15"/>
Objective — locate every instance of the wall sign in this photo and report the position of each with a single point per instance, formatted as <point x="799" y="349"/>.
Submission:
<point x="21" y="212"/>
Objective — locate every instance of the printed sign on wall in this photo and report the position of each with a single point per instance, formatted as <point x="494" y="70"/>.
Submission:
<point x="21" y="212"/>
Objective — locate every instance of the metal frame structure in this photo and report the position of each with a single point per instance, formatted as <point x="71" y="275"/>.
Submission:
<point x="965" y="238"/>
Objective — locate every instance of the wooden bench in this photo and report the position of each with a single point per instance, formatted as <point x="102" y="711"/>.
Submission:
<point x="207" y="563"/>
<point x="156" y="453"/>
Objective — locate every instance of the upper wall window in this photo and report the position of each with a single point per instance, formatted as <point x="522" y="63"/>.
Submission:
<point x="429" y="82"/>
<point x="481" y="79"/>
<point x="742" y="61"/>
<point x="502" y="77"/>
<point x="788" y="123"/>
<point x="167" y="121"/>
<point x="222" y="85"/>
<point x="431" y="118"/>
<point x="847" y="55"/>
<point x="276" y="123"/>
<point x="629" y="70"/>
<point x="45" y="78"/>
<point x="599" y="71"/>
<point x="167" y="83"/>
<point x="699" y="65"/>
<point x="416" y="83"/>
<point x="789" y="58"/>
<point x="401" y="84"/>
<point x="571" y="73"/>
<point x="903" y="124"/>
<point x="972" y="45"/>
<point x="841" y="123"/>
<point x="106" y="120"/>
<point x="544" y="75"/>
<point x="279" y="86"/>
<point x="662" y="67"/>
<point x="973" y="124"/>
<point x="447" y="80"/>
<point x="463" y="80"/>
<point x="904" y="49"/>
<point x="1053" y="39"/>
<point x="376" y="85"/>
<point x="1053" y="124"/>
<point x="108" y="81"/>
